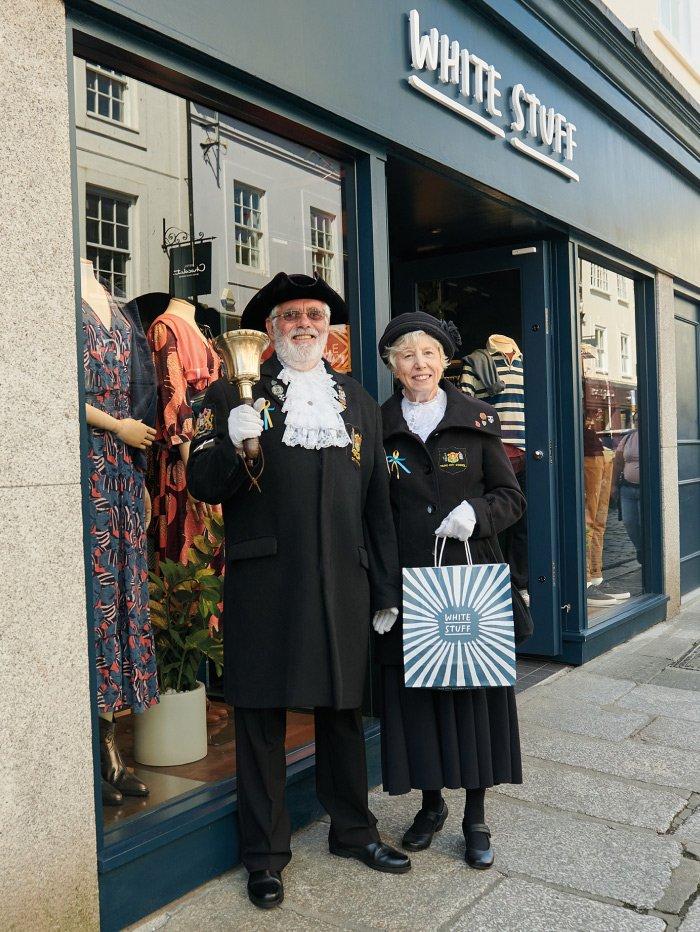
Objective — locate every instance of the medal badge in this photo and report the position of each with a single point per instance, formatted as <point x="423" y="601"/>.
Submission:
<point x="278" y="390"/>
<point x="342" y="399"/>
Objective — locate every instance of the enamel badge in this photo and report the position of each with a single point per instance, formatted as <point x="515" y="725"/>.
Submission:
<point x="356" y="446"/>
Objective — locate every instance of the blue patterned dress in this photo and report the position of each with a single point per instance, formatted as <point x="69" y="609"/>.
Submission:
<point x="124" y="649"/>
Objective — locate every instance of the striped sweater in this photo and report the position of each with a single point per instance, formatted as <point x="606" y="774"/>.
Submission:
<point x="510" y="403"/>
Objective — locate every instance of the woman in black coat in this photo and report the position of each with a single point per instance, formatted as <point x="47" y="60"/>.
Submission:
<point x="450" y="478"/>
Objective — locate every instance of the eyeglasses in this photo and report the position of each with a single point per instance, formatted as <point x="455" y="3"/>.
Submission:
<point x="292" y="314"/>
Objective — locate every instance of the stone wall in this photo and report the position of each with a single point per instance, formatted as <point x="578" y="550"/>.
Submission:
<point x="670" y="521"/>
<point x="48" y="873"/>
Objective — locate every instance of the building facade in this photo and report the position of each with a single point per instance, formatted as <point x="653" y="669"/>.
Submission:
<point x="514" y="174"/>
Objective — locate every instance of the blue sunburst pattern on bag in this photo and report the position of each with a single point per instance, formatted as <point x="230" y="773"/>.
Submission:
<point x="458" y="626"/>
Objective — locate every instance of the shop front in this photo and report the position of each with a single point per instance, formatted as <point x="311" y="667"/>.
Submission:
<point x="538" y="187"/>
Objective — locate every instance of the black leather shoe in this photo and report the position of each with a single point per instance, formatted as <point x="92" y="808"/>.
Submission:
<point x="425" y="825"/>
<point x="476" y="857"/>
<point x="110" y="794"/>
<point x="376" y="854"/>
<point x="265" y="889"/>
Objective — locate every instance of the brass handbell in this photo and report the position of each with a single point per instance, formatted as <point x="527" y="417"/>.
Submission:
<point x="241" y="351"/>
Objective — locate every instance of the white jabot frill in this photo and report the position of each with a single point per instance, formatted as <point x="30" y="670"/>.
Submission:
<point x="312" y="410"/>
<point x="422" y="417"/>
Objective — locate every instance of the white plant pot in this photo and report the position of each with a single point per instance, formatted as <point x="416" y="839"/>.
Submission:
<point x="174" y="731"/>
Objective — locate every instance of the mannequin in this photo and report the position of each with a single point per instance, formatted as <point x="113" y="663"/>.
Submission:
<point x="495" y="375"/>
<point x="186" y="364"/>
<point x="124" y="649"/>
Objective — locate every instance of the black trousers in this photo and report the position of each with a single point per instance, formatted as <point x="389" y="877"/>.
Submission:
<point x="341" y="782"/>
<point x="513" y="543"/>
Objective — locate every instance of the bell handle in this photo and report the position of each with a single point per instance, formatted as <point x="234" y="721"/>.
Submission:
<point x="251" y="446"/>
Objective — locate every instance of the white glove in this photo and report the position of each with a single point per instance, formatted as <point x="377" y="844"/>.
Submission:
<point x="459" y="523"/>
<point x="244" y="423"/>
<point x="384" y="619"/>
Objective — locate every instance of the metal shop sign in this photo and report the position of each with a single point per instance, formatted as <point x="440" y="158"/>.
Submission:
<point x="190" y="270"/>
<point x="473" y="80"/>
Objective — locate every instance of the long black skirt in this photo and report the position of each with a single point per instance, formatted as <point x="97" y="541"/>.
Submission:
<point x="435" y="738"/>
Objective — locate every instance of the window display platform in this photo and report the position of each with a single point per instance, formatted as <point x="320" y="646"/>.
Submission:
<point x="167" y="783"/>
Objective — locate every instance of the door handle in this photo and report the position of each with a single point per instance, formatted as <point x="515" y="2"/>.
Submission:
<point x="538" y="455"/>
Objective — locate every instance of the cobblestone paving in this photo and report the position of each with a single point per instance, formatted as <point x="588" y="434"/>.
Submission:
<point x="602" y="836"/>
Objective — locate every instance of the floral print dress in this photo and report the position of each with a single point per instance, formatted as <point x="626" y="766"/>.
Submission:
<point x="124" y="648"/>
<point x="185" y="365"/>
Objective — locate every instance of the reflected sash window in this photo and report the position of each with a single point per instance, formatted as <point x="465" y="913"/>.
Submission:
<point x="323" y="244"/>
<point x="108" y="237"/>
<point x="106" y="93"/>
<point x="248" y="225"/>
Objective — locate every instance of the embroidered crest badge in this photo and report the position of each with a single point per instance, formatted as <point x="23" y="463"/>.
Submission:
<point x="205" y="422"/>
<point x="356" y="449"/>
<point x="452" y="459"/>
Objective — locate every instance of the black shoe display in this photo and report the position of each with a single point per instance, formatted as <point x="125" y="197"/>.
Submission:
<point x="113" y="767"/>
<point x="376" y="854"/>
<point x="110" y="794"/>
<point x="265" y="889"/>
<point x="476" y="856"/>
<point x="426" y="823"/>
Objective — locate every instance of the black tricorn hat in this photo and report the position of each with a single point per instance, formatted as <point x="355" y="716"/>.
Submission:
<point x="285" y="287"/>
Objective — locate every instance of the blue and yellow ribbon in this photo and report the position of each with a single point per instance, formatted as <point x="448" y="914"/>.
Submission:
<point x="266" y="411"/>
<point x="396" y="462"/>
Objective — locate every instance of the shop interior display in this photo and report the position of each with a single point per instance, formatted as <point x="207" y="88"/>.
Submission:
<point x="495" y="374"/>
<point x="124" y="647"/>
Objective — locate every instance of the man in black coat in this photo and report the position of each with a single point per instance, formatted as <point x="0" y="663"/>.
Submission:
<point x="311" y="552"/>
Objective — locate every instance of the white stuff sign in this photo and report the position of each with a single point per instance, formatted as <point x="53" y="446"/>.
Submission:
<point x="470" y="80"/>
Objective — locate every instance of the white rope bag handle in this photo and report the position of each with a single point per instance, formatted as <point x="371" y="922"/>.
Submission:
<point x="437" y="559"/>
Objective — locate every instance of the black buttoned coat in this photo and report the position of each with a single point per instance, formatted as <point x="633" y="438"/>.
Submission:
<point x="309" y="557"/>
<point x="462" y="459"/>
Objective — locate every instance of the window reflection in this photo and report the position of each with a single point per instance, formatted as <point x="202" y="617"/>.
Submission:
<point x="611" y="472"/>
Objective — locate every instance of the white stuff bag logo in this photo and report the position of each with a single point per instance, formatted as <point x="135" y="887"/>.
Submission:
<point x="458" y="626"/>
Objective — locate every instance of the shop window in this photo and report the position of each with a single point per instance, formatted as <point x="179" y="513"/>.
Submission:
<point x="107" y="237"/>
<point x="322" y="244"/>
<point x="106" y="93"/>
<point x="599" y="279"/>
<point x="248" y="226"/>
<point x="137" y="259"/>
<point x="612" y="474"/>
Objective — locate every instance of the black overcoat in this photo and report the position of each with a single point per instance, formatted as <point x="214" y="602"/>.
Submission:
<point x="309" y="557"/>
<point x="462" y="459"/>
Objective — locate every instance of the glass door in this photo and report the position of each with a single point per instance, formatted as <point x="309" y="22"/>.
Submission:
<point x="498" y="299"/>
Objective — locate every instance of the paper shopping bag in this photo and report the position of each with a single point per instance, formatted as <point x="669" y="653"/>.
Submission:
<point x="458" y="626"/>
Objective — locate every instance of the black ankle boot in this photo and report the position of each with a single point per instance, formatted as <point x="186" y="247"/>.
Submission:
<point x="110" y="794"/>
<point x="113" y="767"/>
<point x="426" y="823"/>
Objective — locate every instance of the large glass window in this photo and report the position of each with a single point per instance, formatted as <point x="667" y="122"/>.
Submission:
<point x="173" y="246"/>
<point x="612" y="442"/>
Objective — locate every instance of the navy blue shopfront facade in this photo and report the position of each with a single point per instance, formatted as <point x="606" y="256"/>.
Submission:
<point x="527" y="153"/>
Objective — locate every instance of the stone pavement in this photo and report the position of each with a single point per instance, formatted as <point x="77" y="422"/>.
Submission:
<point x="603" y="835"/>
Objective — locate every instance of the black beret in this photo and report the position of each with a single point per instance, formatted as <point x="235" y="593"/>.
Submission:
<point x="444" y="331"/>
<point x="285" y="287"/>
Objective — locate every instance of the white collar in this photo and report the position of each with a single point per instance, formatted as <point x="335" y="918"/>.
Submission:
<point x="312" y="410"/>
<point x="422" y="417"/>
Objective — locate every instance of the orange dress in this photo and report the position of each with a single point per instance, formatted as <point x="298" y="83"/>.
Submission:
<point x="185" y="365"/>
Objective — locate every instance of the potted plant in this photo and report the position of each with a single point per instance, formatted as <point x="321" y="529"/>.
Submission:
<point x="183" y="601"/>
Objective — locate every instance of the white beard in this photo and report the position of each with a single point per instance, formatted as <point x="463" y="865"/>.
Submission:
<point x="299" y="356"/>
